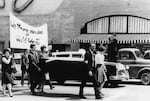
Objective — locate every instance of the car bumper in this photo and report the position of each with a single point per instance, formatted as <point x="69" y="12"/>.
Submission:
<point x="119" y="77"/>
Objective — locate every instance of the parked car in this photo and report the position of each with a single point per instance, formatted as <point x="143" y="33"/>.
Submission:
<point x="147" y="54"/>
<point x="139" y="68"/>
<point x="70" y="66"/>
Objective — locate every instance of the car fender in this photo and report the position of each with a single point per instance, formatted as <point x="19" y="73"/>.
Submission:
<point x="145" y="69"/>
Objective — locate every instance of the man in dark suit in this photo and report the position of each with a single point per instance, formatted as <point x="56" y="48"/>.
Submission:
<point x="34" y="70"/>
<point x="90" y="61"/>
<point x="112" y="48"/>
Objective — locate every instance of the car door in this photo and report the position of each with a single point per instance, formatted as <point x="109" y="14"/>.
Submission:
<point x="128" y="58"/>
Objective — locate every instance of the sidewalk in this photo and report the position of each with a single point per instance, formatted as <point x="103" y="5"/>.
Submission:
<point x="66" y="92"/>
<point x="59" y="93"/>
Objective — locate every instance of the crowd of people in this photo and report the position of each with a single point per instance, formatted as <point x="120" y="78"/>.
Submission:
<point x="32" y="64"/>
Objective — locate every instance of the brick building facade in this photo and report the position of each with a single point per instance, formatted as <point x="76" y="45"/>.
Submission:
<point x="71" y="15"/>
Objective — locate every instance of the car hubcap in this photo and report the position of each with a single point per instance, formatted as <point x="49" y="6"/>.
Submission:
<point x="145" y="79"/>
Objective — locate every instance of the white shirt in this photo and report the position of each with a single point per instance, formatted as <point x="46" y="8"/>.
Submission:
<point x="99" y="58"/>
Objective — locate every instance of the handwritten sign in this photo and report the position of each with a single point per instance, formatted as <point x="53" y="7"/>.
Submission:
<point x="22" y="34"/>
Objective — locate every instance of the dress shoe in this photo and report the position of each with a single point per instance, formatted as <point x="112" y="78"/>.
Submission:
<point x="11" y="95"/>
<point x="42" y="91"/>
<point x="99" y="97"/>
<point x="102" y="94"/>
<point x="33" y="93"/>
<point x="82" y="97"/>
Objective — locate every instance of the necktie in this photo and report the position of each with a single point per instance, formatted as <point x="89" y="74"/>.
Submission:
<point x="93" y="60"/>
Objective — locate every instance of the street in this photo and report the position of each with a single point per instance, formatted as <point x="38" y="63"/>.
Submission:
<point x="128" y="91"/>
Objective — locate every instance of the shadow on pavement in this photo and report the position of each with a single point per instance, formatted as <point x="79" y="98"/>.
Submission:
<point x="87" y="85"/>
<point x="132" y="83"/>
<point x="59" y="95"/>
<point x="118" y="86"/>
<point x="52" y="95"/>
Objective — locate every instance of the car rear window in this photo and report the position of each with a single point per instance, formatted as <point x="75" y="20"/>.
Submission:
<point x="147" y="56"/>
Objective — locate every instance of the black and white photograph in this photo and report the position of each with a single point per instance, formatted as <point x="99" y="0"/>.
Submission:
<point x="74" y="50"/>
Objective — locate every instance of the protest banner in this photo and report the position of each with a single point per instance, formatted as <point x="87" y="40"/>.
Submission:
<point x="22" y="34"/>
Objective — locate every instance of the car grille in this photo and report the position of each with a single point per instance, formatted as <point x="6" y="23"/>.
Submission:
<point x="121" y="72"/>
<point x="111" y="70"/>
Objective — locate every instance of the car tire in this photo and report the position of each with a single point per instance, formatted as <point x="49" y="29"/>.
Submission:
<point x="145" y="78"/>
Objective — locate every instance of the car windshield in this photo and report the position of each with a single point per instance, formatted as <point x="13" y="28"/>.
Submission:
<point x="139" y="54"/>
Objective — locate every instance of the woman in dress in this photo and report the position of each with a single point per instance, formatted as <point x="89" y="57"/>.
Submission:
<point x="100" y="67"/>
<point x="6" y="72"/>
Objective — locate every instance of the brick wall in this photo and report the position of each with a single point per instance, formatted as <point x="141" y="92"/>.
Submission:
<point x="71" y="16"/>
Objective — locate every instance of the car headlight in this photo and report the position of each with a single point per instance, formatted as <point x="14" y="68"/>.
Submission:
<point x="120" y="66"/>
<point x="127" y="67"/>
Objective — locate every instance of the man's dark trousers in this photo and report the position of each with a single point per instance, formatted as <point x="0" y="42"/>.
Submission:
<point x="96" y="84"/>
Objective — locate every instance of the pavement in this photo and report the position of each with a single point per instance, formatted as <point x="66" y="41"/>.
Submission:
<point x="129" y="91"/>
<point x="68" y="91"/>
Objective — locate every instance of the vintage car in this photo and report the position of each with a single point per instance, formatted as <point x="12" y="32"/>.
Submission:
<point x="70" y="66"/>
<point x="147" y="54"/>
<point x="139" y="68"/>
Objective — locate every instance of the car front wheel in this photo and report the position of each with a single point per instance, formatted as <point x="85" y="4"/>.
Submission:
<point x="145" y="78"/>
